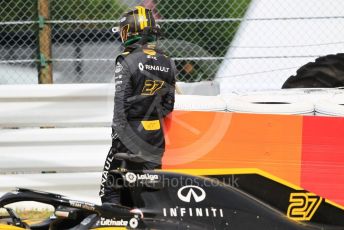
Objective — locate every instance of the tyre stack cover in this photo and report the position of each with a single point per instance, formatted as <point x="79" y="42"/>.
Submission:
<point x="333" y="106"/>
<point x="274" y="102"/>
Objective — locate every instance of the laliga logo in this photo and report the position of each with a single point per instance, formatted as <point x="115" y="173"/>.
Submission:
<point x="130" y="177"/>
<point x="185" y="193"/>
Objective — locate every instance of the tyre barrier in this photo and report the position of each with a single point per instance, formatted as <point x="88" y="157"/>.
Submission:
<point x="287" y="101"/>
<point x="333" y="106"/>
<point x="269" y="104"/>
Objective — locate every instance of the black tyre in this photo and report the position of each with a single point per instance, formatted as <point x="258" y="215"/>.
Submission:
<point x="325" y="72"/>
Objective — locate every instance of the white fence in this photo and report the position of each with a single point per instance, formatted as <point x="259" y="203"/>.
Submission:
<point x="276" y="38"/>
<point x="56" y="137"/>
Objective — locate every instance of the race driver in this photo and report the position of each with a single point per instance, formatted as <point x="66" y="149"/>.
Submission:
<point x="144" y="95"/>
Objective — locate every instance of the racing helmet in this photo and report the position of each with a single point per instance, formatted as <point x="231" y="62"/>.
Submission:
<point x="133" y="24"/>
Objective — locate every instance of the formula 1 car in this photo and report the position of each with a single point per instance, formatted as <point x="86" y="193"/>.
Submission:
<point x="237" y="199"/>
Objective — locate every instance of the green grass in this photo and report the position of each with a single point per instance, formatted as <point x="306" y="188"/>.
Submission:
<point x="30" y="214"/>
<point x="34" y="214"/>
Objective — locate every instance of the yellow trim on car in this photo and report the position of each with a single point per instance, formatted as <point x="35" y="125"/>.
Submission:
<point x="9" y="227"/>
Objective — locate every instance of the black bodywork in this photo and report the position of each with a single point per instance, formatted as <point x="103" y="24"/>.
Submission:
<point x="181" y="201"/>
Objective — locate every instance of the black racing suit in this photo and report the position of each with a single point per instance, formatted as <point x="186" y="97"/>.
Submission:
<point x="144" y="95"/>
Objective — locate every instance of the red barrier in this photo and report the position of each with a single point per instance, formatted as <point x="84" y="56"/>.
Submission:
<point x="306" y="151"/>
<point x="323" y="157"/>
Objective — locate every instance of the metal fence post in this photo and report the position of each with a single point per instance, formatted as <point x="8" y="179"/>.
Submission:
<point x="45" y="73"/>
